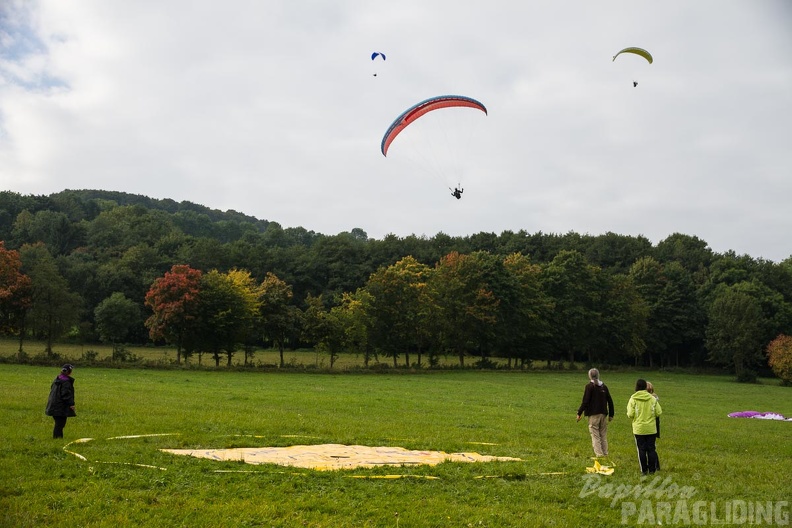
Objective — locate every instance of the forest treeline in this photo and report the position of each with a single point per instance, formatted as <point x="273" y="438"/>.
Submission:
<point x="121" y="268"/>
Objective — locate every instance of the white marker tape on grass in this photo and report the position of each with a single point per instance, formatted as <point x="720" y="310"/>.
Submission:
<point x="127" y="437"/>
<point x="139" y="436"/>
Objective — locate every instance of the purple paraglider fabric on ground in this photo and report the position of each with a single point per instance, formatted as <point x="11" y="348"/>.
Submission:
<point x="760" y="415"/>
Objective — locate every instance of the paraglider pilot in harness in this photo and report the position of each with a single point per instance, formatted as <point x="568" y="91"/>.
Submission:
<point x="457" y="193"/>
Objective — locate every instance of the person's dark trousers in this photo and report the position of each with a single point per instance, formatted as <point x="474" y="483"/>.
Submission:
<point x="60" y="423"/>
<point x="647" y="454"/>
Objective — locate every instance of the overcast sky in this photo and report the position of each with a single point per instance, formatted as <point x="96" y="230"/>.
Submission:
<point x="272" y="108"/>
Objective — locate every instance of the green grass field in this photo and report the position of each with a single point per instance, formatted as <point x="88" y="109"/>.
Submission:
<point x="530" y="415"/>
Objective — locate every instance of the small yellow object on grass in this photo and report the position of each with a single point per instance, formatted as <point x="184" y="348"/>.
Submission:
<point x="599" y="468"/>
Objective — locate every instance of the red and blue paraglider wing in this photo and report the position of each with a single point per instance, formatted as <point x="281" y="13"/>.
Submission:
<point x="416" y="111"/>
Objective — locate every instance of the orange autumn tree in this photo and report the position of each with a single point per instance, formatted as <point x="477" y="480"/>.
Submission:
<point x="779" y="356"/>
<point x="173" y="299"/>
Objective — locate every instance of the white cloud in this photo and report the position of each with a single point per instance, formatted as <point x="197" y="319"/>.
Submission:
<point x="272" y="108"/>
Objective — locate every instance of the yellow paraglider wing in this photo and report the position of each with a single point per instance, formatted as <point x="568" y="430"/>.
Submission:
<point x="637" y="51"/>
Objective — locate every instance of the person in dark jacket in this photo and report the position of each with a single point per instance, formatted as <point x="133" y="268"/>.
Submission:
<point x="598" y="406"/>
<point x="60" y="404"/>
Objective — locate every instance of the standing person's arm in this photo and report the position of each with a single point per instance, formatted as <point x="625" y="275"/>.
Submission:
<point x="585" y="403"/>
<point x="67" y="394"/>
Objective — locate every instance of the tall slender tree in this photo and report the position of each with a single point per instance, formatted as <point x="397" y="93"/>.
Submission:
<point x="278" y="318"/>
<point x="54" y="308"/>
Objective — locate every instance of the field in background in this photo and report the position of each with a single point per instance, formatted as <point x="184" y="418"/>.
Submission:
<point x="267" y="357"/>
<point x="530" y="415"/>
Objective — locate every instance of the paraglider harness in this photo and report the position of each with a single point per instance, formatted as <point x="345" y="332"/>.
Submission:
<point x="457" y="192"/>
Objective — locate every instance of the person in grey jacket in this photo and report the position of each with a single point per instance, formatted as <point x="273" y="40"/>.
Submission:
<point x="60" y="404"/>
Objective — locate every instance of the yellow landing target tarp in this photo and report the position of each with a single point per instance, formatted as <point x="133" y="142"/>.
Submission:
<point x="334" y="456"/>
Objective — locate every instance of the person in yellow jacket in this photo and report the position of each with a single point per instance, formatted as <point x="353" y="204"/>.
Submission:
<point x="642" y="409"/>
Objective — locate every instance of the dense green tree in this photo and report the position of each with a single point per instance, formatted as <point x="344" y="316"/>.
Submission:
<point x="230" y="304"/>
<point x="616" y="252"/>
<point x="194" y="224"/>
<point x="488" y="242"/>
<point x="684" y="315"/>
<point x="52" y="228"/>
<point x="116" y="316"/>
<point x="119" y="228"/>
<point x="510" y="242"/>
<point x="333" y="340"/>
<point x="622" y="334"/>
<point x="463" y="308"/>
<point x="734" y="332"/>
<point x="341" y="262"/>
<point x="387" y="251"/>
<point x="11" y="204"/>
<point x="527" y="324"/>
<point x="753" y="278"/>
<point x="204" y="254"/>
<point x="54" y="308"/>
<point x="354" y="313"/>
<point x="297" y="266"/>
<point x="776" y="312"/>
<point x="691" y="252"/>
<point x="81" y="269"/>
<point x="396" y="307"/>
<point x="576" y="288"/>
<point x="507" y="290"/>
<point x="729" y="269"/>
<point x="675" y="316"/>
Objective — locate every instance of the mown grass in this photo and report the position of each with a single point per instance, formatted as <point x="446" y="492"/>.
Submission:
<point x="529" y="415"/>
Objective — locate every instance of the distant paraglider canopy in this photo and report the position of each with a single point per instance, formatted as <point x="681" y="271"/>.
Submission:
<point x="416" y="111"/>
<point x="636" y="51"/>
<point x="375" y="55"/>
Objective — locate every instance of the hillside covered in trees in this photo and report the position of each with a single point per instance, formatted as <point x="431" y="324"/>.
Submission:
<point x="122" y="268"/>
